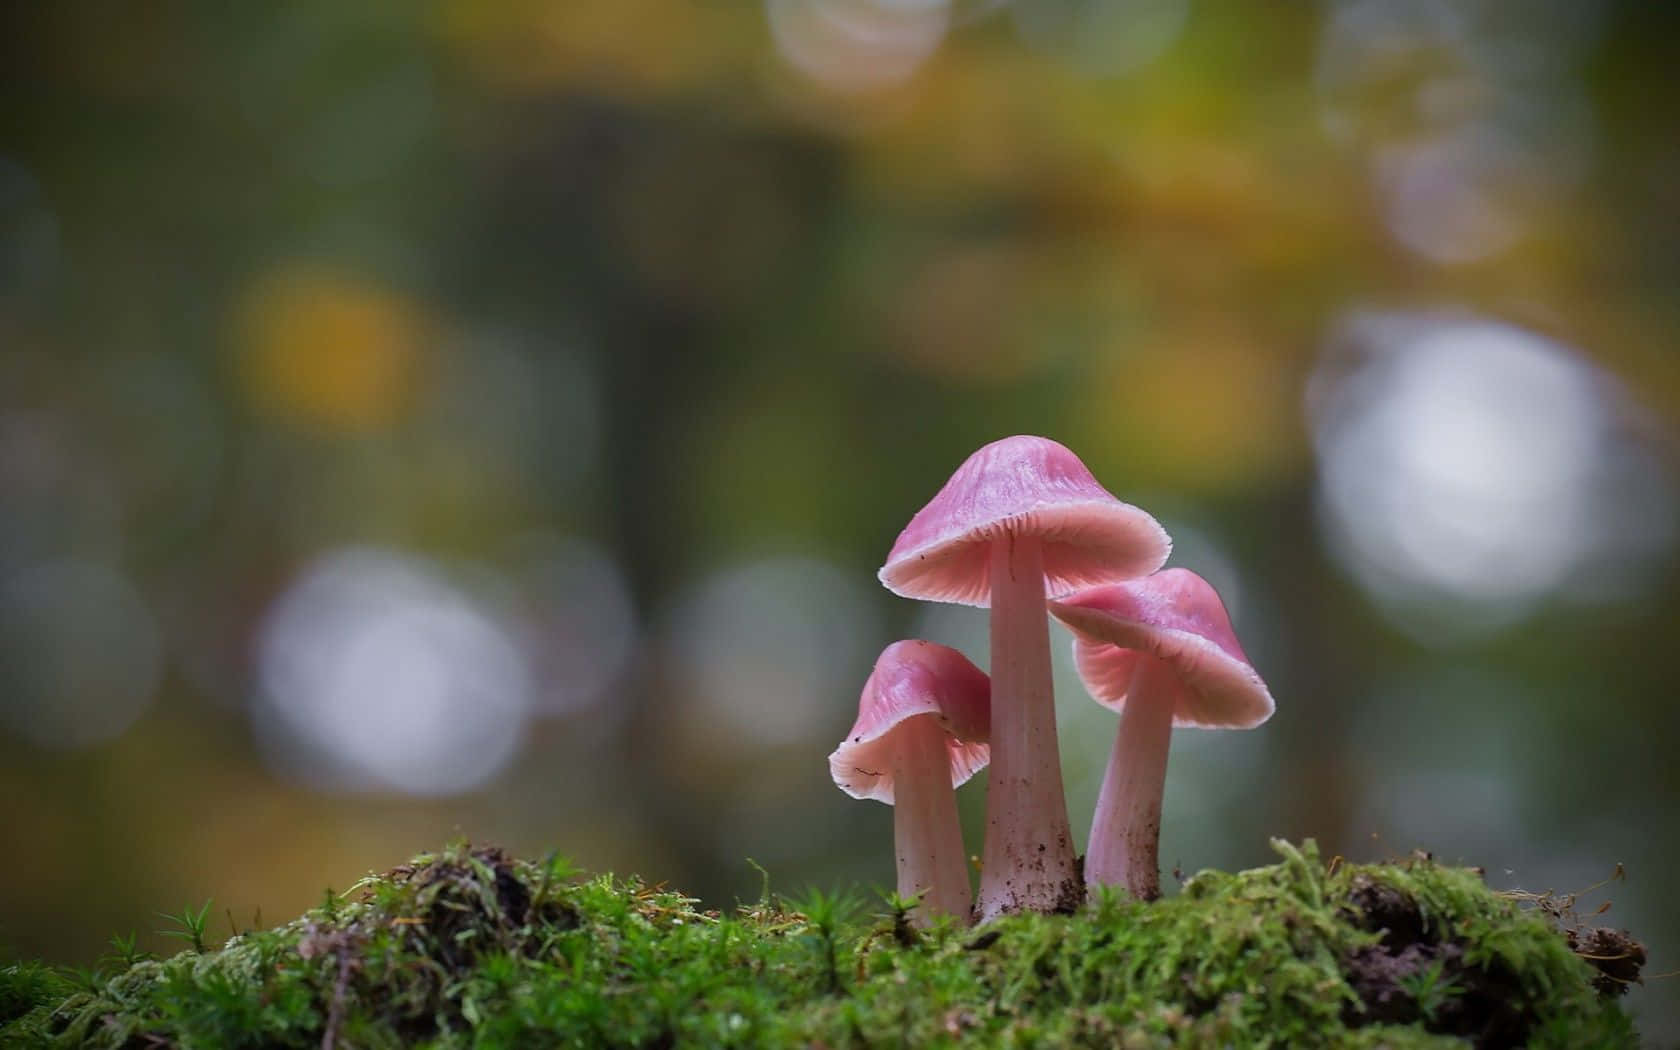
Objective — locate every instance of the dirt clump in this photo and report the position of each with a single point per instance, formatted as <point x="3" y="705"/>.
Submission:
<point x="1616" y="956"/>
<point x="1415" y="975"/>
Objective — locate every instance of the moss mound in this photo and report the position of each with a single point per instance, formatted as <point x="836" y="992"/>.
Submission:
<point x="471" y="948"/>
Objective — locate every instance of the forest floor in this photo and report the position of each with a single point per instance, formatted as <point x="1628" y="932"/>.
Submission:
<point x="469" y="947"/>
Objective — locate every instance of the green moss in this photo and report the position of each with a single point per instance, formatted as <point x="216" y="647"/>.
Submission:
<point x="25" y="986"/>
<point x="469" y="948"/>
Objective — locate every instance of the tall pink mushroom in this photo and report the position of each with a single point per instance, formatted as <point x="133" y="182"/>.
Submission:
<point x="921" y="733"/>
<point x="1161" y="651"/>
<point x="1020" y="518"/>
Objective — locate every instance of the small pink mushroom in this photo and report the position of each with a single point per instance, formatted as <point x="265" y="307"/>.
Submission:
<point x="921" y="732"/>
<point x="1020" y="518"/>
<point x="1160" y="651"/>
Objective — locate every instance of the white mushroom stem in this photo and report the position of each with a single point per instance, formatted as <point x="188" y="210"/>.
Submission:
<point x="1126" y="828"/>
<point x="1027" y="863"/>
<point x="926" y="835"/>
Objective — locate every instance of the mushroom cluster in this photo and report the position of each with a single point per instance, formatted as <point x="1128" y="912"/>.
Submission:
<point x="1024" y="529"/>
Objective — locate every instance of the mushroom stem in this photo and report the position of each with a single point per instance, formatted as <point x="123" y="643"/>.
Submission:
<point x="1126" y="828"/>
<point x="927" y="837"/>
<point x="1027" y="863"/>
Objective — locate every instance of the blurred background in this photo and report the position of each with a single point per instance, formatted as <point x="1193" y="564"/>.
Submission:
<point x="486" y="419"/>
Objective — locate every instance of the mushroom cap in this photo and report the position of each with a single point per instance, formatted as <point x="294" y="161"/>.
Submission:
<point x="915" y="679"/>
<point x="1021" y="486"/>
<point x="1174" y="616"/>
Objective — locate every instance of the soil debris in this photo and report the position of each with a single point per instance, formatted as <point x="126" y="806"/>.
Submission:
<point x="1418" y="974"/>
<point x="1616" y="956"/>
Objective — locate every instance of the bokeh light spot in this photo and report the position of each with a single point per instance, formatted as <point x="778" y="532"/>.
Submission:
<point x="1474" y="467"/>
<point x="770" y="653"/>
<point x="858" y="45"/>
<point x="375" y="672"/>
<point x="1473" y="122"/>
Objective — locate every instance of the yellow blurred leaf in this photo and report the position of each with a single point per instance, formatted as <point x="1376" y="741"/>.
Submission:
<point x="1205" y="407"/>
<point x="327" y="351"/>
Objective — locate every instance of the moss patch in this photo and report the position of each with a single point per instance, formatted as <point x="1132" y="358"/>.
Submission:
<point x="471" y="948"/>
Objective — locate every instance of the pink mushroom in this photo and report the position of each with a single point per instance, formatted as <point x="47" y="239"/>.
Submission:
<point x="921" y="732"/>
<point x="1020" y="518"/>
<point x="1160" y="651"/>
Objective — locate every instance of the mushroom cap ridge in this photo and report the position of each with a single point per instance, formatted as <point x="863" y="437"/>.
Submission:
<point x="915" y="679"/>
<point x="1016" y="486"/>
<point x="1174" y="616"/>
